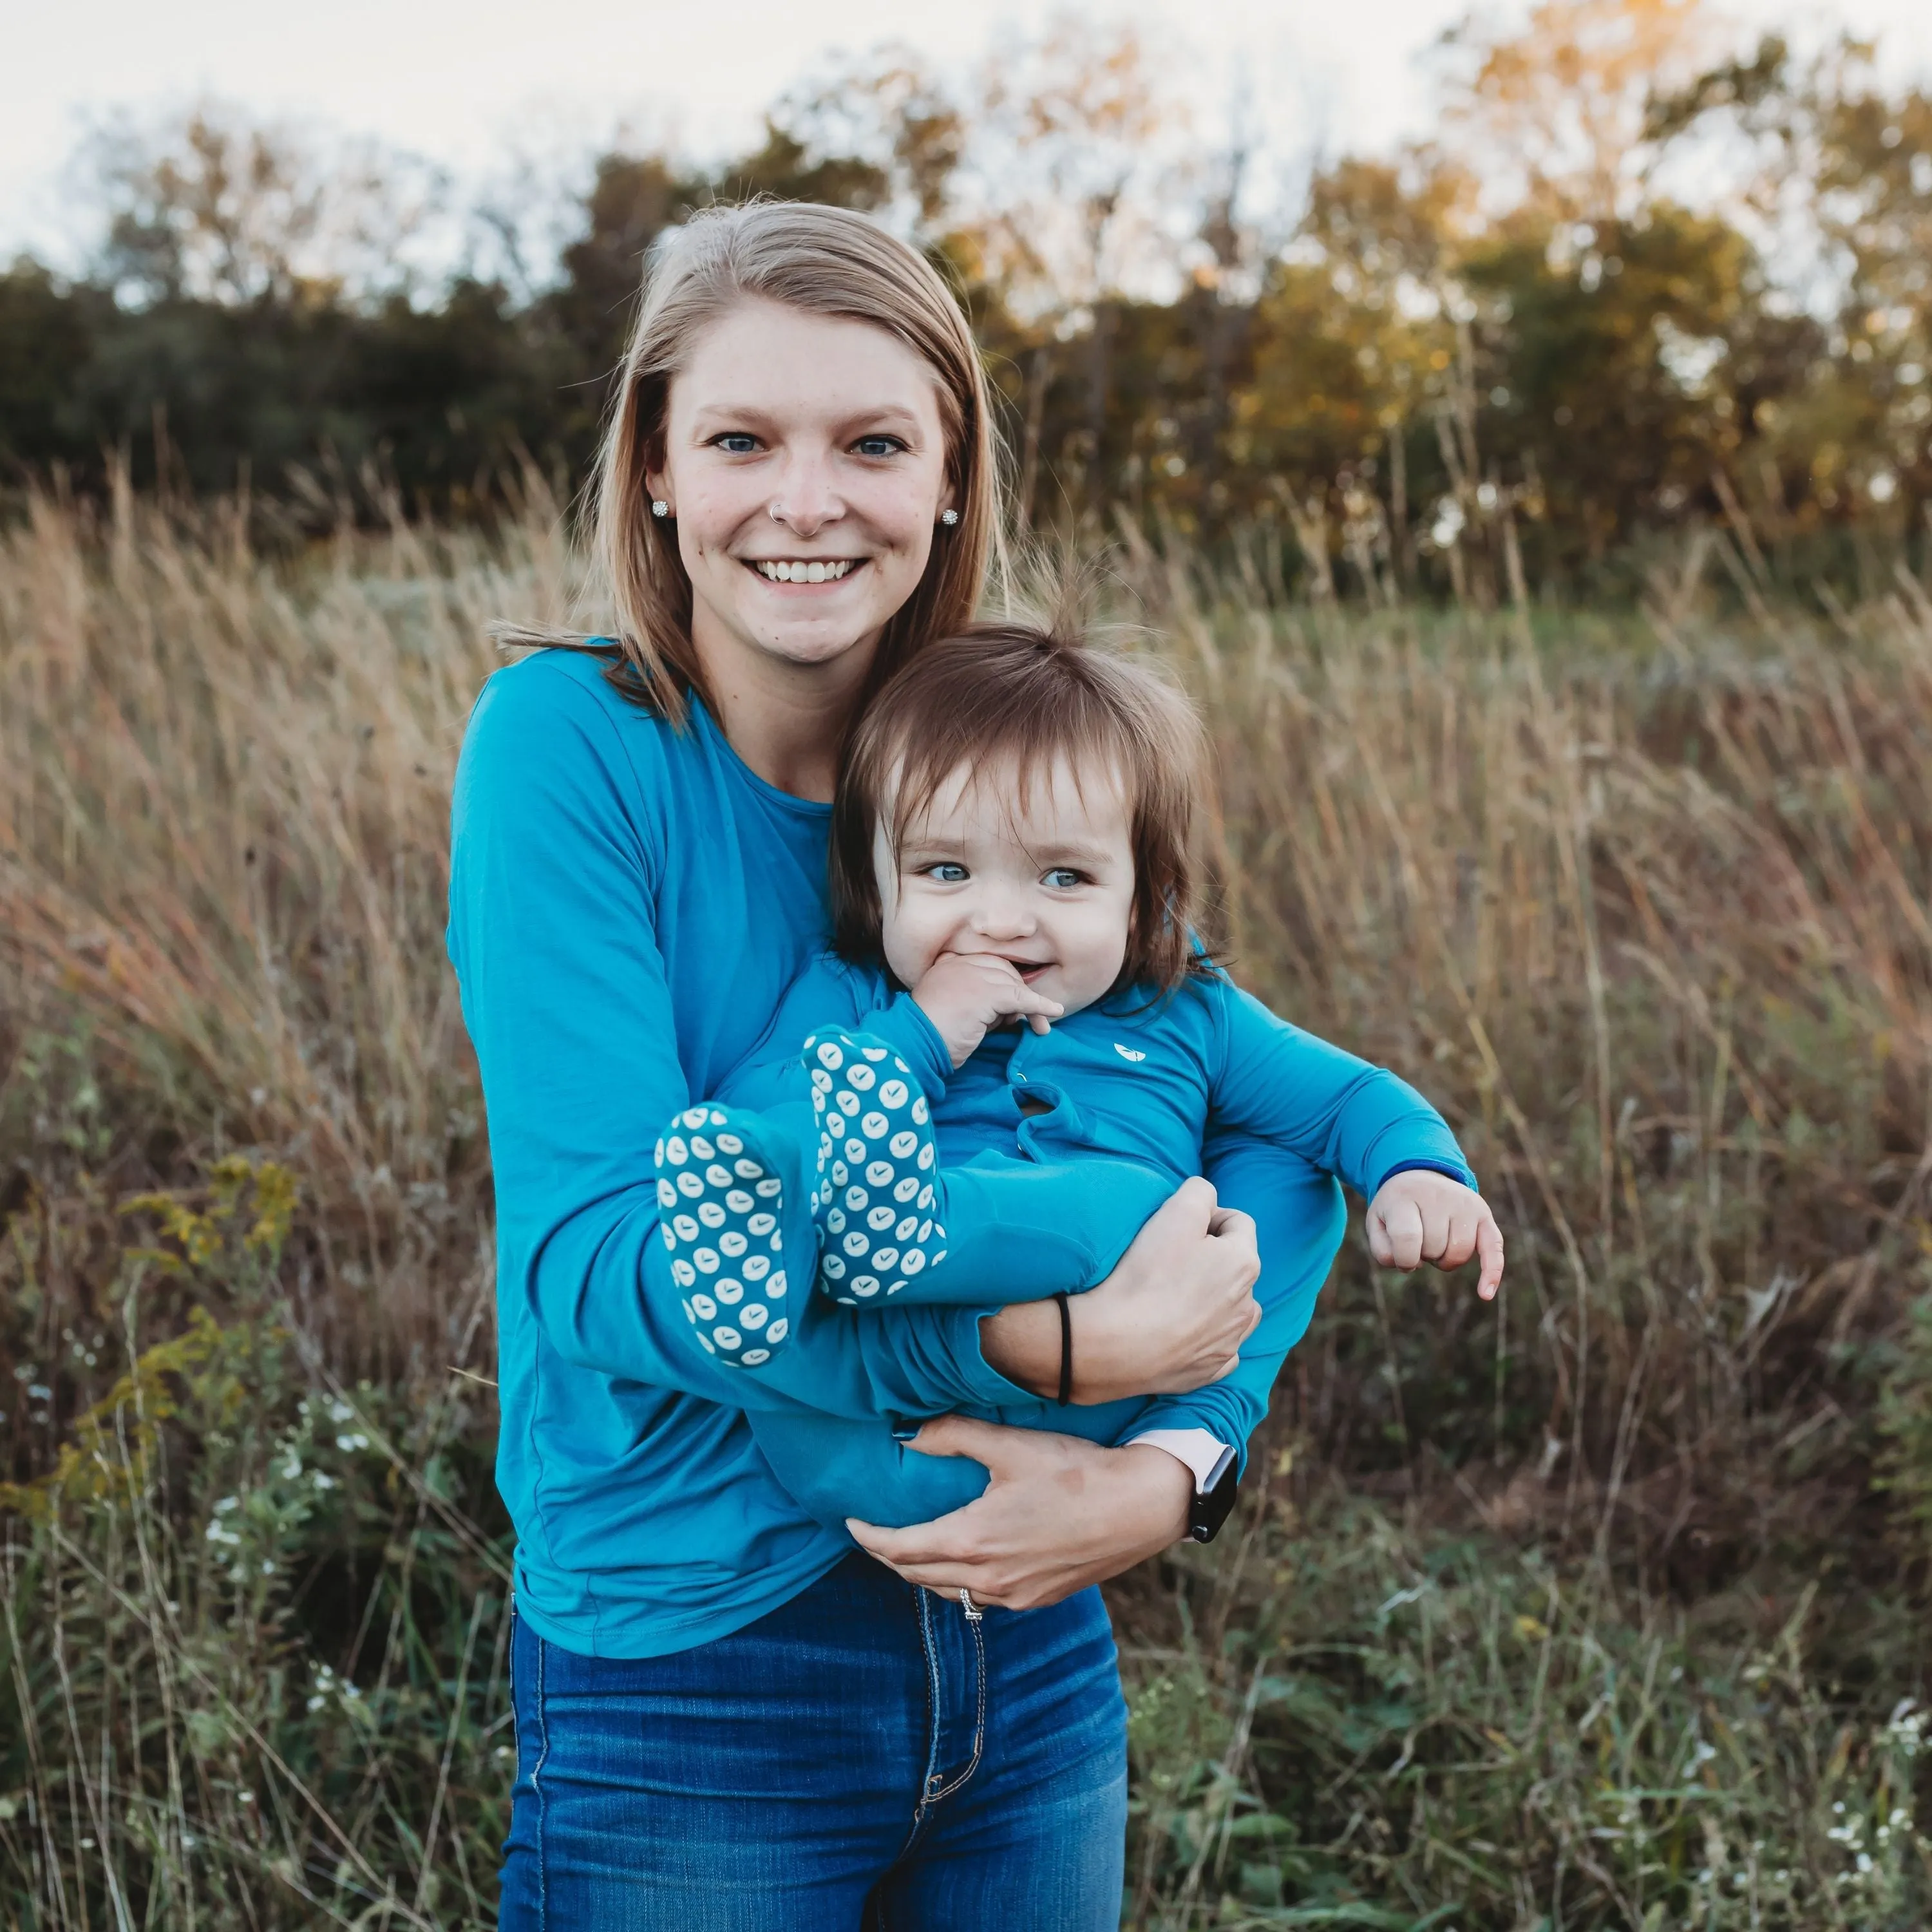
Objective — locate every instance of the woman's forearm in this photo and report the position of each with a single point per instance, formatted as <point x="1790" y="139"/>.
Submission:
<point x="1022" y="1343"/>
<point x="1112" y="1358"/>
<point x="1171" y="1317"/>
<point x="1111" y="1361"/>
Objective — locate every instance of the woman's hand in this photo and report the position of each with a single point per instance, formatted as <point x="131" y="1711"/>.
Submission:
<point x="1171" y="1318"/>
<point x="1058" y="1514"/>
<point x="1421" y="1216"/>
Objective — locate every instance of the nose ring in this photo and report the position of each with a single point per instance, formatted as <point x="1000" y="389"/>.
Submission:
<point x="775" y="510"/>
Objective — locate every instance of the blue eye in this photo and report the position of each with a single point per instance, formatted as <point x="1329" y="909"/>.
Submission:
<point x="1061" y="878"/>
<point x="947" y="872"/>
<point x="878" y="445"/>
<point x="735" y="442"/>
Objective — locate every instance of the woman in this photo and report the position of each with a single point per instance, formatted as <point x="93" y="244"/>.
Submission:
<point x="725" y="1715"/>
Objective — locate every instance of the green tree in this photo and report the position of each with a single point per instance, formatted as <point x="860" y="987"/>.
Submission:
<point x="47" y="335"/>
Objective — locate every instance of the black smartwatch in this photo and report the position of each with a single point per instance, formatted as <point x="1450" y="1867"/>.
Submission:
<point x="1214" y="1498"/>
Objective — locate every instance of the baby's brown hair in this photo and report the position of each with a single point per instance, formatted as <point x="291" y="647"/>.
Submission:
<point x="1023" y="696"/>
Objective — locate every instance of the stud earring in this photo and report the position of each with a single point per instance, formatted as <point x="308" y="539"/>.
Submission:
<point x="948" y="517"/>
<point x="659" y="507"/>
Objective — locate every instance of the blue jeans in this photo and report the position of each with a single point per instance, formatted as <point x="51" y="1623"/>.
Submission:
<point x="867" y="1755"/>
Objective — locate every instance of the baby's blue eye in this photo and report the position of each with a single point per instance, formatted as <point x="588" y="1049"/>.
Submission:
<point x="946" y="872"/>
<point x="1061" y="878"/>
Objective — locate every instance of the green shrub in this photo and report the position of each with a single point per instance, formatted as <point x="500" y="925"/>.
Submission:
<point x="254" y="1648"/>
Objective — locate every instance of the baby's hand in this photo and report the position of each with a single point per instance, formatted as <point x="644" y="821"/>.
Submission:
<point x="966" y="994"/>
<point x="1419" y="1215"/>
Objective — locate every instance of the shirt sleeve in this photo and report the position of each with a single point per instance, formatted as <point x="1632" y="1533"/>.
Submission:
<point x="555" y="855"/>
<point x="830" y="992"/>
<point x="1300" y="1093"/>
<point x="903" y="1024"/>
<point x="1300" y="1217"/>
<point x="771" y="1074"/>
<point x="1289" y="1113"/>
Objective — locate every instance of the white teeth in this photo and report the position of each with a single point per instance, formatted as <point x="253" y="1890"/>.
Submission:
<point x="804" y="573"/>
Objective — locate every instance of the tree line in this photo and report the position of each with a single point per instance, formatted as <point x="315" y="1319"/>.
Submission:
<point x="1638" y="280"/>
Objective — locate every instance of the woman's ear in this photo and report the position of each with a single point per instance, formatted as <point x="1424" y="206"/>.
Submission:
<point x="659" y="484"/>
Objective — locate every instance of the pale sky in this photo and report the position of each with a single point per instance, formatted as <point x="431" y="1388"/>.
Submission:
<point x="467" y="82"/>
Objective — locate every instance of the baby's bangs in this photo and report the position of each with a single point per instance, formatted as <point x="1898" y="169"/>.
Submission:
<point x="1021" y="747"/>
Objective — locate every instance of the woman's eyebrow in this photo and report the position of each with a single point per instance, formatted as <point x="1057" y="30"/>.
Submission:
<point x="707" y="414"/>
<point x="762" y="416"/>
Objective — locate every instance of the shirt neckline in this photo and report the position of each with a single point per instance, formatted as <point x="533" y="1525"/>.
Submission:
<point x="789" y="801"/>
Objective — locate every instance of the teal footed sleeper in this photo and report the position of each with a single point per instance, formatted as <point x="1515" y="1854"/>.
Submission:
<point x="1051" y="1150"/>
<point x="721" y="1193"/>
<point x="874" y="1205"/>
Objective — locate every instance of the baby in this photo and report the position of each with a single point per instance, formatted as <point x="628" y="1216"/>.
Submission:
<point x="1013" y="1055"/>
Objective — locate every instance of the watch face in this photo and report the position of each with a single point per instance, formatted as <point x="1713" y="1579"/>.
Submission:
<point x="1211" y="1506"/>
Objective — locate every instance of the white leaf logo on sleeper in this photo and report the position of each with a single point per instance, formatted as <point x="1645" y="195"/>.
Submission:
<point x="1129" y="1052"/>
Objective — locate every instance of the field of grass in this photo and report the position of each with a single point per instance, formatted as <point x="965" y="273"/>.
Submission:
<point x="1604" y="1605"/>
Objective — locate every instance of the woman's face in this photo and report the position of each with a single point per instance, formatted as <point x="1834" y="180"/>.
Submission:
<point x="804" y="461"/>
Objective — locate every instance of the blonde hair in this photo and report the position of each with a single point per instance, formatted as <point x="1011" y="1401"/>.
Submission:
<point x="824" y="261"/>
<point x="1012" y="699"/>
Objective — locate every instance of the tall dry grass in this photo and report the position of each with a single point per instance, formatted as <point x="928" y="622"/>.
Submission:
<point x="224" y="822"/>
<point x="1585" y="1609"/>
<point x="1653" y="918"/>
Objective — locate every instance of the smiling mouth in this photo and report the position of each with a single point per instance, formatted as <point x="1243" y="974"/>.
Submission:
<point x="813" y="570"/>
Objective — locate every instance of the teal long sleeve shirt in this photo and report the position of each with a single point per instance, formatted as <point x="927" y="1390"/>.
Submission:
<point x="628" y="904"/>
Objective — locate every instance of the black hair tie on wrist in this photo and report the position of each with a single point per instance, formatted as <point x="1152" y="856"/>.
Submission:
<point x="1066" y="1348"/>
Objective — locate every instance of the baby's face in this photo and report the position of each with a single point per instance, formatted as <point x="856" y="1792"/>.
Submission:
<point x="1047" y="884"/>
